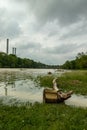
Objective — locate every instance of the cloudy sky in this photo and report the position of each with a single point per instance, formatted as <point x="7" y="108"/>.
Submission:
<point x="47" y="31"/>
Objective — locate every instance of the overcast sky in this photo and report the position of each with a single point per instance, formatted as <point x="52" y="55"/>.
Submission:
<point x="47" y="31"/>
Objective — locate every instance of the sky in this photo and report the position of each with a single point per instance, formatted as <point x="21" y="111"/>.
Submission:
<point x="46" y="31"/>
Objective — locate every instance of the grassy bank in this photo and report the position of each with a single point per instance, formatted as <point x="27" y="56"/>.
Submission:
<point x="43" y="117"/>
<point x="75" y="80"/>
<point x="49" y="116"/>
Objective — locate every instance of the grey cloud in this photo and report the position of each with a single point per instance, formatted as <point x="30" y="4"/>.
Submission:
<point x="52" y="33"/>
<point x="11" y="30"/>
<point x="37" y="25"/>
<point x="65" y="11"/>
<point x="62" y="49"/>
<point x="29" y="45"/>
<point x="78" y="31"/>
<point x="8" y="27"/>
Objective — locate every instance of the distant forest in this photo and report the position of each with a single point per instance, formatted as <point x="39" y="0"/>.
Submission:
<point x="12" y="61"/>
<point x="79" y="63"/>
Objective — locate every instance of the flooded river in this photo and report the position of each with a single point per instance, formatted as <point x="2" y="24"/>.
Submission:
<point x="19" y="86"/>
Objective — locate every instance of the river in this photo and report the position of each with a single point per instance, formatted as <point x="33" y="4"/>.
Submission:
<point x="20" y="86"/>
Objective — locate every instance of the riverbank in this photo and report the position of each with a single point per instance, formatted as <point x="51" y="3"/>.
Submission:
<point x="71" y="80"/>
<point x="43" y="116"/>
<point x="49" y="116"/>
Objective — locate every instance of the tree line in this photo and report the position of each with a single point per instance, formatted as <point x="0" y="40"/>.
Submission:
<point x="12" y="61"/>
<point x="80" y="62"/>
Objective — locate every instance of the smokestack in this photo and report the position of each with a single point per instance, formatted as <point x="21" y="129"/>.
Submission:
<point x="7" y="51"/>
<point x="15" y="51"/>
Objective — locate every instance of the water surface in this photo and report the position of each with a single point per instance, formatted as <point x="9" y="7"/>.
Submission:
<point x="21" y="86"/>
<point x="77" y="101"/>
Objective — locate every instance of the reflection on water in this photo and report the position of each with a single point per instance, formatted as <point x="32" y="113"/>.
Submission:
<point x="24" y="90"/>
<point x="5" y="91"/>
<point x="21" y="85"/>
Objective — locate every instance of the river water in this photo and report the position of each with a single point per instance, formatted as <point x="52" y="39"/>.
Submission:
<point x="77" y="101"/>
<point x="20" y="86"/>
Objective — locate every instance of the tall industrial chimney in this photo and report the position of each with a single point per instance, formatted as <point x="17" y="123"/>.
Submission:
<point x="15" y="51"/>
<point x="7" y="49"/>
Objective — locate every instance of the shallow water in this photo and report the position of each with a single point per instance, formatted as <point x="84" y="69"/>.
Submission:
<point x="77" y="101"/>
<point x="23" y="90"/>
<point x="21" y="86"/>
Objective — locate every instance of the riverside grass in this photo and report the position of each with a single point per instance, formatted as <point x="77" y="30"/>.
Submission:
<point x="74" y="80"/>
<point x="49" y="116"/>
<point x="43" y="117"/>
